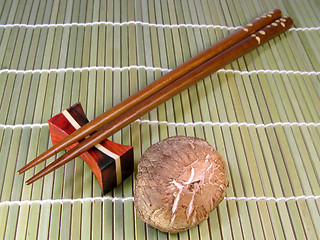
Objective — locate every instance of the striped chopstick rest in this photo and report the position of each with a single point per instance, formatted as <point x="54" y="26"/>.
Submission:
<point x="110" y="162"/>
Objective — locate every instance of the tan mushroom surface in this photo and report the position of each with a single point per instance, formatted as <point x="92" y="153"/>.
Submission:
<point x="179" y="181"/>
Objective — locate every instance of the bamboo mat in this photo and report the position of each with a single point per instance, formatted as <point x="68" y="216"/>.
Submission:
<point x="261" y="113"/>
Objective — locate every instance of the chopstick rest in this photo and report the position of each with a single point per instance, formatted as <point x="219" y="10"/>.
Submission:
<point x="110" y="162"/>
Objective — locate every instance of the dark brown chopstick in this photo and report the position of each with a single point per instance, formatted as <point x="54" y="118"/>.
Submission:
<point x="210" y="66"/>
<point x="159" y="84"/>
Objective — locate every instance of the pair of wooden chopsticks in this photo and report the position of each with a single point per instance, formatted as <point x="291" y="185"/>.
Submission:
<point x="227" y="50"/>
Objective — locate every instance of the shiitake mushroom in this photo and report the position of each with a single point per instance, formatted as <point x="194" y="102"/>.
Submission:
<point x="179" y="181"/>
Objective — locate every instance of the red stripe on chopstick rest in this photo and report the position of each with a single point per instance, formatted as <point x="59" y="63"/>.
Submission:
<point x="157" y="85"/>
<point x="253" y="41"/>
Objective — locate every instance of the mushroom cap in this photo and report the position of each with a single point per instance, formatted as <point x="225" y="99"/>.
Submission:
<point x="179" y="181"/>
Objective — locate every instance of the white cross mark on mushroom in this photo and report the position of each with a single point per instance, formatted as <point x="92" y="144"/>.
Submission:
<point x="191" y="186"/>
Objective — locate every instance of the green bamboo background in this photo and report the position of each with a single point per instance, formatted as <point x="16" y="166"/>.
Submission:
<point x="261" y="113"/>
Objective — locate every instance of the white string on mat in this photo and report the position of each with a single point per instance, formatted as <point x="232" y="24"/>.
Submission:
<point x="193" y="124"/>
<point x="239" y="124"/>
<point x="120" y="199"/>
<point x="77" y="69"/>
<point x="151" y="122"/>
<point x="185" y="25"/>
<point x="136" y="67"/>
<point x="75" y="24"/>
<point x="40" y="125"/>
<point x="273" y="199"/>
<point x="305" y="29"/>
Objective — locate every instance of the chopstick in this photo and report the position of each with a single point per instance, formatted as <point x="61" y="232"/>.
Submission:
<point x="172" y="89"/>
<point x="157" y="85"/>
<point x="182" y="83"/>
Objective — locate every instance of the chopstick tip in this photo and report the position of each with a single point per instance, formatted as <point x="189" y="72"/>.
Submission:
<point x="29" y="181"/>
<point x="20" y="171"/>
<point x="23" y="169"/>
